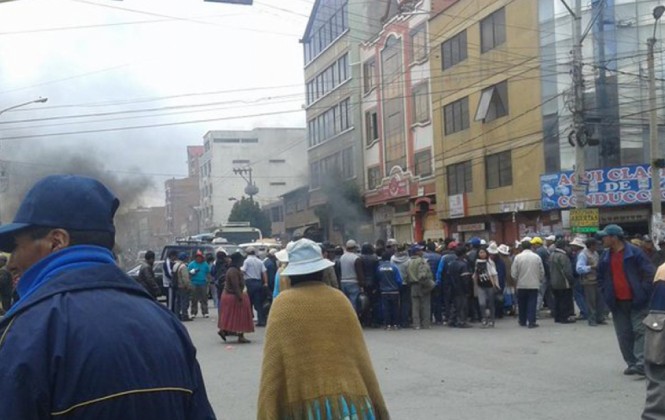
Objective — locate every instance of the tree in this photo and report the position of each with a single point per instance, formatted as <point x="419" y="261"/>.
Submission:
<point x="248" y="210"/>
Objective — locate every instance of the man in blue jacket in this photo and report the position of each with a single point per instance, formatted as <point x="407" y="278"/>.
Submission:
<point x="84" y="340"/>
<point x="625" y="277"/>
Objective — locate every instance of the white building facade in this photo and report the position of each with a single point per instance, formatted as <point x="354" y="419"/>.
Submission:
<point x="276" y="157"/>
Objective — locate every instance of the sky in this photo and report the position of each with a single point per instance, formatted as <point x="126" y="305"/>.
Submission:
<point x="180" y="67"/>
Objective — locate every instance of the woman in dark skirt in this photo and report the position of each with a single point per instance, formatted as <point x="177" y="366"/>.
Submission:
<point x="235" y="315"/>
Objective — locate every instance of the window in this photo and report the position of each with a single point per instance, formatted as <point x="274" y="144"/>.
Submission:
<point x="328" y="80"/>
<point x="420" y="103"/>
<point x="315" y="175"/>
<point x="332" y="122"/>
<point x="459" y="178"/>
<point x="277" y="184"/>
<point x="277" y="161"/>
<point x="499" y="170"/>
<point x="249" y="140"/>
<point x="371" y="127"/>
<point x="373" y="177"/>
<point x="493" y="30"/>
<point x="328" y="27"/>
<point x="493" y="103"/>
<point x="456" y="116"/>
<point x="347" y="163"/>
<point x="423" y="163"/>
<point x="369" y="73"/>
<point x="226" y="140"/>
<point x="276" y="214"/>
<point x="240" y="161"/>
<point x="419" y="44"/>
<point x="453" y="51"/>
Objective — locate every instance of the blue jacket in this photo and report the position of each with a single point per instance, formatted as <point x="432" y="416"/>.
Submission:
<point x="441" y="269"/>
<point x="87" y="342"/>
<point x="639" y="272"/>
<point x="389" y="278"/>
<point x="432" y="259"/>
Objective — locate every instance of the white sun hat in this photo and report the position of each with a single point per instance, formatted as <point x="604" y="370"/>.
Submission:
<point x="305" y="257"/>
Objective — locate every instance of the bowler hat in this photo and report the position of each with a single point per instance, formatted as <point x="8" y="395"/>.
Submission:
<point x="71" y="202"/>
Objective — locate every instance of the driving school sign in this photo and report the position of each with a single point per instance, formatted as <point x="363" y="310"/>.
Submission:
<point x="584" y="220"/>
<point x="617" y="186"/>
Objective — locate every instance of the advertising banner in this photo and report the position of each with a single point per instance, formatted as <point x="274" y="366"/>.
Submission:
<point x="617" y="186"/>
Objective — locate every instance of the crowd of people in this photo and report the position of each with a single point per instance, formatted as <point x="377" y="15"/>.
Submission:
<point x="137" y="361"/>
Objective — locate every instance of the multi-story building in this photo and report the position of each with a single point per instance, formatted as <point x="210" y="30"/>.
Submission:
<point x="397" y="128"/>
<point x="616" y="109"/>
<point x="486" y="109"/>
<point x="182" y="206"/>
<point x="332" y="78"/>
<point x="275" y="158"/>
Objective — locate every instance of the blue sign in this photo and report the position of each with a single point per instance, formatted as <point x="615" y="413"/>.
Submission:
<point x="617" y="186"/>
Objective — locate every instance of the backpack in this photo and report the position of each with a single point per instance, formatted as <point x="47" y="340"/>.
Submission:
<point x="483" y="275"/>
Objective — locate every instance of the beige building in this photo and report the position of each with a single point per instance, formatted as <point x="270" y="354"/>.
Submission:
<point x="486" y="109"/>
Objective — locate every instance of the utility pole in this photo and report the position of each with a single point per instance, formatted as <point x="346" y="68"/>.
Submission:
<point x="579" y="137"/>
<point x="578" y="114"/>
<point x="656" y="160"/>
<point x="246" y="173"/>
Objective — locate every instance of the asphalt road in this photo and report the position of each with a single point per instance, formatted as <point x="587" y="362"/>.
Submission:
<point x="552" y="372"/>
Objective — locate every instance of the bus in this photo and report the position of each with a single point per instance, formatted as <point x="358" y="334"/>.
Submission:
<point x="237" y="233"/>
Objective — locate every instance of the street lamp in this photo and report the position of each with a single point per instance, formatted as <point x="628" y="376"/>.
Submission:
<point x="34" y="101"/>
<point x="3" y="167"/>
<point x="657" y="163"/>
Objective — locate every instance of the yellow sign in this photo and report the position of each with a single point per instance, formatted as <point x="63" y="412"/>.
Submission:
<point x="584" y="218"/>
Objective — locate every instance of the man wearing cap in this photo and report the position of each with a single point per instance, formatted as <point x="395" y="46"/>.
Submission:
<point x="549" y="243"/>
<point x="433" y="258"/>
<point x="351" y="273"/>
<point x="545" y="291"/>
<point x="625" y="277"/>
<point x="529" y="273"/>
<point x="657" y="257"/>
<point x="147" y="275"/>
<point x="587" y="268"/>
<point x="199" y="271"/>
<point x="167" y="278"/>
<point x="256" y="280"/>
<point x="80" y="342"/>
<point x="421" y="282"/>
<point x="6" y="285"/>
<point x="443" y="281"/>
<point x="183" y="286"/>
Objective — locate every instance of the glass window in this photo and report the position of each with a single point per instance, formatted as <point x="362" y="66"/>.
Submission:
<point x="347" y="163"/>
<point x="421" y="103"/>
<point x="493" y="30"/>
<point x="373" y="177"/>
<point x="368" y="75"/>
<point x="423" y="163"/>
<point x="459" y="177"/>
<point x="499" y="170"/>
<point x="493" y="103"/>
<point x="315" y="175"/>
<point x="371" y="127"/>
<point x="419" y="43"/>
<point x="456" y="116"/>
<point x="454" y="50"/>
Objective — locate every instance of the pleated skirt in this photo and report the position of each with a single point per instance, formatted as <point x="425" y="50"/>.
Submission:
<point x="235" y="316"/>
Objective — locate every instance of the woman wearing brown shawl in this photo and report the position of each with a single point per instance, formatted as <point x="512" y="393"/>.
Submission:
<point x="315" y="361"/>
<point x="235" y="313"/>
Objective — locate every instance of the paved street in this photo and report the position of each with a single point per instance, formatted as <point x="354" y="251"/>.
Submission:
<point x="553" y="372"/>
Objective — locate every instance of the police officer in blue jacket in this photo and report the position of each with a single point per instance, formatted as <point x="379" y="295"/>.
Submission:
<point x="84" y="340"/>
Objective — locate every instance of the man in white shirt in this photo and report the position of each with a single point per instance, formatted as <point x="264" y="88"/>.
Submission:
<point x="256" y="280"/>
<point x="529" y="273"/>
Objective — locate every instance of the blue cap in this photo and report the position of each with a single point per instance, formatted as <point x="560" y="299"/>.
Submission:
<point x="416" y="248"/>
<point x="475" y="241"/>
<point x="182" y="256"/>
<point x="63" y="201"/>
<point x="610" y="230"/>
